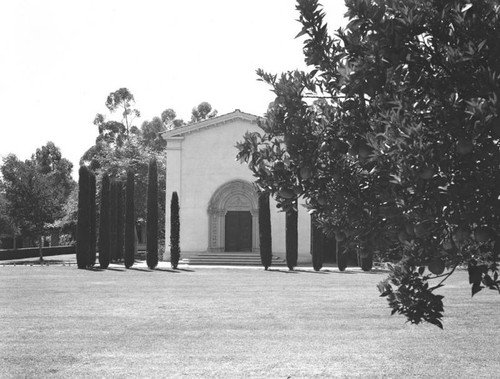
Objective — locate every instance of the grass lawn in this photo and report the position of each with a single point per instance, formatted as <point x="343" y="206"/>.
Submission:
<point x="58" y="321"/>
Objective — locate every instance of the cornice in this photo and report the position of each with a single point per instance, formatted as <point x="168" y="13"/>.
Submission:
<point x="209" y="123"/>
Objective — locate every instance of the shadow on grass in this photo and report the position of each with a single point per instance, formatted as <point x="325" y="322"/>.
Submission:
<point x="340" y="272"/>
<point x="315" y="272"/>
<point x="45" y="262"/>
<point x="347" y="271"/>
<point x="115" y="269"/>
<point x="374" y="271"/>
<point x="285" y="271"/>
<point x="167" y="270"/>
<point x="185" y="269"/>
<point x="95" y="269"/>
<point x="146" y="269"/>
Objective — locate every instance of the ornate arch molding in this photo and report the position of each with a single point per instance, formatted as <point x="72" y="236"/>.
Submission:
<point x="236" y="195"/>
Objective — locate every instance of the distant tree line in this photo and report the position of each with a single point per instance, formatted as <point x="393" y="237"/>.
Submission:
<point x="34" y="194"/>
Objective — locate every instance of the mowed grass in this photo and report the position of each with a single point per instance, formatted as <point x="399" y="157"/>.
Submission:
<point x="58" y="321"/>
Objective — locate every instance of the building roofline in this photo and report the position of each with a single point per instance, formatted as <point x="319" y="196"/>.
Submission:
<point x="208" y="123"/>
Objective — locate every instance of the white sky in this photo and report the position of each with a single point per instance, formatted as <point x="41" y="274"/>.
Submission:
<point x="59" y="60"/>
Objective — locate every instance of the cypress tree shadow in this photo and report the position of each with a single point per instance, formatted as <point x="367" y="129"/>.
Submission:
<point x="114" y="269"/>
<point x="167" y="270"/>
<point x="140" y="269"/>
<point x="45" y="262"/>
<point x="312" y="272"/>
<point x="283" y="271"/>
<point x="184" y="269"/>
<point x="95" y="269"/>
<point x="340" y="272"/>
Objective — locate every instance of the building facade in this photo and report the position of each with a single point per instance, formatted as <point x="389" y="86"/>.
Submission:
<point x="218" y="202"/>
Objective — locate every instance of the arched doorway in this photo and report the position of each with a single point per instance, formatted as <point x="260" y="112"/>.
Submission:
<point x="233" y="218"/>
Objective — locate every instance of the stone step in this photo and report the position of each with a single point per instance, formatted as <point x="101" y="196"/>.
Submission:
<point x="229" y="259"/>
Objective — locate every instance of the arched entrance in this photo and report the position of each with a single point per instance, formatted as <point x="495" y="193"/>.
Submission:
<point x="233" y="218"/>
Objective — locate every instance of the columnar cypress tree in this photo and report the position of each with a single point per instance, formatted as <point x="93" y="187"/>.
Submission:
<point x="152" y="216"/>
<point x="120" y="221"/>
<point x="93" y="220"/>
<point x="292" y="237"/>
<point x="129" y="221"/>
<point x="329" y="248"/>
<point x="104" y="219"/>
<point x="265" y="238"/>
<point x="365" y="260"/>
<point x="83" y="226"/>
<point x="113" y="224"/>
<point x="175" y="250"/>
<point x="317" y="245"/>
<point x="341" y="257"/>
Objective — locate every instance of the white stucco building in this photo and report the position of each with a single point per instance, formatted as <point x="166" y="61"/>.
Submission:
<point x="218" y="203"/>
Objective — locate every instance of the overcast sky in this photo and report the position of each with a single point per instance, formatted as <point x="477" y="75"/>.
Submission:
<point x="60" y="59"/>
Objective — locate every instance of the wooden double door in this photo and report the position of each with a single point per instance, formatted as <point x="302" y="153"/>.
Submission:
<point x="238" y="236"/>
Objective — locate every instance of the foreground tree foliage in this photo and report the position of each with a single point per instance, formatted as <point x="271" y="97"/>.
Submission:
<point x="398" y="154"/>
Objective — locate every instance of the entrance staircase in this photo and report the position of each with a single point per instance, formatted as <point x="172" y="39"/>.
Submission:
<point x="228" y="259"/>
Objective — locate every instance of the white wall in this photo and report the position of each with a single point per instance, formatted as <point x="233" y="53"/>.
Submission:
<point x="197" y="166"/>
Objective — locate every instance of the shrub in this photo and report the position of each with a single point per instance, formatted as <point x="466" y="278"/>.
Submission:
<point x="129" y="221"/>
<point x="291" y="244"/>
<point x="83" y="226"/>
<point x="265" y="238"/>
<point x="152" y="216"/>
<point x="175" y="250"/>
<point x="104" y="219"/>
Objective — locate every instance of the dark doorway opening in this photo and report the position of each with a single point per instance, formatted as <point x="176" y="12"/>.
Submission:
<point x="238" y="236"/>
